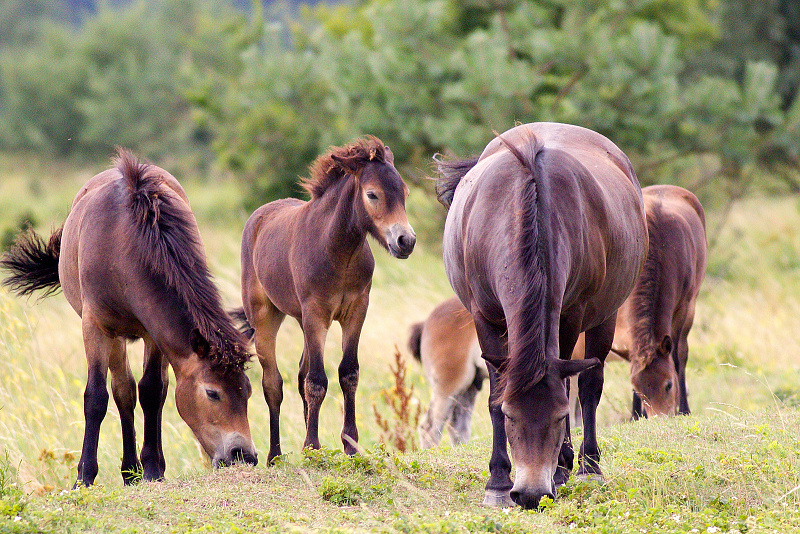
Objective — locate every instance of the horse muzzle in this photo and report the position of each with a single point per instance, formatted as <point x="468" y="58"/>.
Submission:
<point x="236" y="449"/>
<point x="528" y="496"/>
<point x="401" y="240"/>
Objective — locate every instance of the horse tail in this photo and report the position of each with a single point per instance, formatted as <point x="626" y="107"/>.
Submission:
<point x="240" y="319"/>
<point x="450" y="174"/>
<point x="415" y="341"/>
<point x="33" y="264"/>
<point x="527" y="357"/>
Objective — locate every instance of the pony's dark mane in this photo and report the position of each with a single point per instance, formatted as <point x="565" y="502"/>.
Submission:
<point x="645" y="295"/>
<point x="166" y="240"/>
<point x="450" y="174"/>
<point x="338" y="162"/>
<point x="527" y="361"/>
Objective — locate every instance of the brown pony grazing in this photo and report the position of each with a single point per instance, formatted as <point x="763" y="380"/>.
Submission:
<point x="311" y="260"/>
<point x="544" y="239"/>
<point x="130" y="261"/>
<point x="656" y="318"/>
<point x="447" y="346"/>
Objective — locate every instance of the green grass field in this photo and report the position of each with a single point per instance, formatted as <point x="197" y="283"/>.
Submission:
<point x="734" y="465"/>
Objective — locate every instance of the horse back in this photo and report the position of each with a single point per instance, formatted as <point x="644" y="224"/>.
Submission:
<point x="98" y="272"/>
<point x="678" y="244"/>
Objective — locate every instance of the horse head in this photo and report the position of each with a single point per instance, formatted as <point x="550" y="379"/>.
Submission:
<point x="655" y="379"/>
<point x="212" y="399"/>
<point x="535" y="424"/>
<point x="383" y="193"/>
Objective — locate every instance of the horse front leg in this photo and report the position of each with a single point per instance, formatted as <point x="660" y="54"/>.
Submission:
<point x="348" y="372"/>
<point x="98" y="347"/>
<point x="152" y="393"/>
<point x="498" y="488"/>
<point x="123" y="387"/>
<point x="267" y="322"/>
<point x="590" y="388"/>
<point x="315" y="382"/>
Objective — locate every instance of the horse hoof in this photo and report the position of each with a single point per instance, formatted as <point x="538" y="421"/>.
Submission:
<point x="596" y="478"/>
<point x="498" y="499"/>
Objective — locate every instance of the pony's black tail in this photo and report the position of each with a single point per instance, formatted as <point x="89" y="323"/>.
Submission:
<point x="414" y="341"/>
<point x="242" y="323"/>
<point x="33" y="264"/>
<point x="450" y="174"/>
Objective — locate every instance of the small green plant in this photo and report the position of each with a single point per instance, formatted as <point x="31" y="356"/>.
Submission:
<point x="399" y="430"/>
<point x="340" y="492"/>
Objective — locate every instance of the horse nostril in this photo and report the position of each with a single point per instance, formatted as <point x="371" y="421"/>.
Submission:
<point x="243" y="456"/>
<point x="406" y="242"/>
<point x="515" y="497"/>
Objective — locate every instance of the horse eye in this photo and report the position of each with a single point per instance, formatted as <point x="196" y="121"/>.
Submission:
<point x="372" y="196"/>
<point x="668" y="387"/>
<point x="213" y="395"/>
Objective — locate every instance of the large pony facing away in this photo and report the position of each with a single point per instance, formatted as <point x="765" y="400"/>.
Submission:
<point x="544" y="239"/>
<point x="131" y="264"/>
<point x="655" y="320"/>
<point x="311" y="260"/>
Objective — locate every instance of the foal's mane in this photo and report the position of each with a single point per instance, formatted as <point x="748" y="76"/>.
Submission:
<point x="166" y="242"/>
<point x="527" y="361"/>
<point x="645" y="295"/>
<point x="340" y="161"/>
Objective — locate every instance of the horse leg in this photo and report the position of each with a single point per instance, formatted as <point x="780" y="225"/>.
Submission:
<point x="301" y="384"/>
<point x="98" y="346"/>
<point x="315" y="382"/>
<point x="152" y="394"/>
<point x="123" y="387"/>
<point x="637" y="411"/>
<point x="435" y="419"/>
<point x="590" y="388"/>
<point x="268" y="321"/>
<point x="680" y="354"/>
<point x="461" y="417"/>
<point x="568" y="337"/>
<point x="498" y="488"/>
<point x="348" y="371"/>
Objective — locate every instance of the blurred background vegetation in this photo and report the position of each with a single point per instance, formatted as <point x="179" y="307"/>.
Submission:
<point x="701" y="93"/>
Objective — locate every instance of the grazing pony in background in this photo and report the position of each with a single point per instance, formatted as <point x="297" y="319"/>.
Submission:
<point x="655" y="320"/>
<point x="447" y="346"/>
<point x="131" y="263"/>
<point x="311" y="260"/>
<point x="544" y="239"/>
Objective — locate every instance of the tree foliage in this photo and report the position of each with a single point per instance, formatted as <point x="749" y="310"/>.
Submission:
<point x="439" y="75"/>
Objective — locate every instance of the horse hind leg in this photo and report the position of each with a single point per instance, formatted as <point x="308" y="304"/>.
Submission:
<point x="152" y="393"/>
<point x="123" y="388"/>
<point x="98" y="347"/>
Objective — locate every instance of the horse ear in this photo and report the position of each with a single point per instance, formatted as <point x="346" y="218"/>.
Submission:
<point x="666" y="345"/>
<point x="388" y="156"/>
<point x="567" y="368"/>
<point x="199" y="343"/>
<point x="345" y="163"/>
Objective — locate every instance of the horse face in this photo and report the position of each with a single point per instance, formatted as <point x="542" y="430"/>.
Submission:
<point x="657" y="382"/>
<point x="384" y="195"/>
<point x="214" y="405"/>
<point x="535" y="425"/>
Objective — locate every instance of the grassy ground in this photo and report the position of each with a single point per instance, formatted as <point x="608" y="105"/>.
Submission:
<point x="731" y="466"/>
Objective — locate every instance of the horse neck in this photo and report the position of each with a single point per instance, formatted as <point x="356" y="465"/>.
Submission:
<point x="339" y="209"/>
